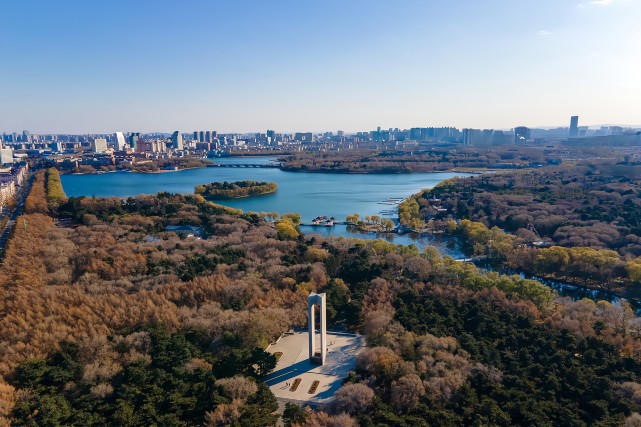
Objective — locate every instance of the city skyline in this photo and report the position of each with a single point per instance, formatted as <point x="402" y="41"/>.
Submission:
<point x="74" y="67"/>
<point x="183" y="132"/>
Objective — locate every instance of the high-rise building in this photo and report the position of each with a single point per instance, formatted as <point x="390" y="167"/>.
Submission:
<point x="485" y="137"/>
<point x="271" y="137"/>
<point x="196" y="136"/>
<point x="201" y="136"/>
<point x="615" y="130"/>
<point x="133" y="140"/>
<point x="99" y="145"/>
<point x="208" y="136"/>
<point x="177" y="140"/>
<point x="120" y="144"/>
<point x="303" y="136"/>
<point x="521" y="134"/>
<point x="143" y="146"/>
<point x="574" y="126"/>
<point x="469" y="135"/>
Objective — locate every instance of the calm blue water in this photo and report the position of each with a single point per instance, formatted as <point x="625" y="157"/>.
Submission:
<point x="310" y="194"/>
<point x="446" y="245"/>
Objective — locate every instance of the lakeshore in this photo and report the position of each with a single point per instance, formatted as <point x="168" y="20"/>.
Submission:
<point x="101" y="172"/>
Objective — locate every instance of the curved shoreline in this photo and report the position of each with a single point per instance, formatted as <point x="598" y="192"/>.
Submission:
<point x="131" y="171"/>
<point x="383" y="172"/>
<point x="211" y="198"/>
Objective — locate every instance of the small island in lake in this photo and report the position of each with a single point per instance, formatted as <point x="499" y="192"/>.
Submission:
<point x="235" y="190"/>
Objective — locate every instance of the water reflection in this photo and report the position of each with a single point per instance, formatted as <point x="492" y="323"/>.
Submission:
<point x="446" y="245"/>
<point x="454" y="248"/>
<point x="569" y="290"/>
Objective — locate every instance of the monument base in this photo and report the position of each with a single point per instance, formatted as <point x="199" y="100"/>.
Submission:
<point x="317" y="358"/>
<point x="295" y="363"/>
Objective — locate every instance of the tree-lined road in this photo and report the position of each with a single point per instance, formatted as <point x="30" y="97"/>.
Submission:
<point x="17" y="211"/>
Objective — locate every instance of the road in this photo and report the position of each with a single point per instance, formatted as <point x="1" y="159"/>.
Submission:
<point x="17" y="211"/>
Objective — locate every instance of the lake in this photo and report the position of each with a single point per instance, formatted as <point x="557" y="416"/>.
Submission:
<point x="310" y="194"/>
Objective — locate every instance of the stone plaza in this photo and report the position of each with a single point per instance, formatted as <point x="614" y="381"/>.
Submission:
<point x="294" y="363"/>
<point x="310" y="370"/>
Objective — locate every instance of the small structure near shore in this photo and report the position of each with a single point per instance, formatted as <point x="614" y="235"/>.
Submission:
<point x="186" y="230"/>
<point x="323" y="220"/>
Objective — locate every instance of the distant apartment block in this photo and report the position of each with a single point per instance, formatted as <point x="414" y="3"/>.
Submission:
<point x="177" y="140"/>
<point x="574" y="127"/>
<point x="150" y="146"/>
<point x="485" y="137"/>
<point x="303" y="136"/>
<point x="521" y="134"/>
<point x="10" y="180"/>
<point x="6" y="156"/>
<point x="270" y="137"/>
<point x="99" y="145"/>
<point x="205" y="136"/>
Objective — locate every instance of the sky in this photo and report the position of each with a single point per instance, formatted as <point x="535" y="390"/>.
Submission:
<point x="90" y="66"/>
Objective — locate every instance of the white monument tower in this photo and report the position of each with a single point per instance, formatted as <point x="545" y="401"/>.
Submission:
<point x="314" y="300"/>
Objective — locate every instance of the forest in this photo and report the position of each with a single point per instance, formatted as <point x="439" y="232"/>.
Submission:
<point x="108" y="319"/>
<point x="234" y="190"/>
<point x="585" y="205"/>
<point x="577" y="223"/>
<point x="434" y="160"/>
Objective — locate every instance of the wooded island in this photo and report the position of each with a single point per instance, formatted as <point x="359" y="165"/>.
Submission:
<point x="235" y="190"/>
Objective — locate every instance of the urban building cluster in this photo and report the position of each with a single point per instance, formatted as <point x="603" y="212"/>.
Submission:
<point x="136" y="147"/>
<point x="11" y="178"/>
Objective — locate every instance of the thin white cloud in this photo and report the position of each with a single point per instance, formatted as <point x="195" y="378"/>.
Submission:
<point x="596" y="3"/>
<point x="544" y="33"/>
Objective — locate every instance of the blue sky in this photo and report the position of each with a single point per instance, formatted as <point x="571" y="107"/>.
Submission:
<point x="294" y="65"/>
